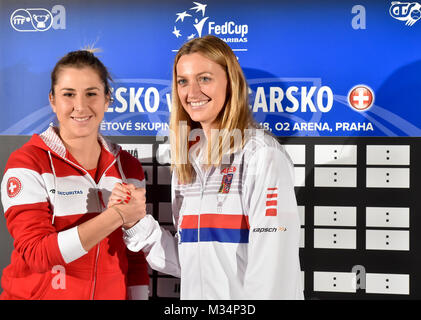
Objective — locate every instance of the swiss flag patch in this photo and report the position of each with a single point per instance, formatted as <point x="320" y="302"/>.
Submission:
<point x="14" y="186"/>
<point x="272" y="202"/>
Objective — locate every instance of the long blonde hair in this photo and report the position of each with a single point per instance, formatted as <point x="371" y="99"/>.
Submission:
<point x="234" y="116"/>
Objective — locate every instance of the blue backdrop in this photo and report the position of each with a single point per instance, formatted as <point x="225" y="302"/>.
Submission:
<point x="301" y="60"/>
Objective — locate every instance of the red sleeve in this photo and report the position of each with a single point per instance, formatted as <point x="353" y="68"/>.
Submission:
<point x="131" y="166"/>
<point x="35" y="238"/>
<point x="28" y="213"/>
<point x="138" y="269"/>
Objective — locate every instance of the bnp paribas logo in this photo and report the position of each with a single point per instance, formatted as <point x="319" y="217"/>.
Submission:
<point x="410" y="12"/>
<point x="194" y="21"/>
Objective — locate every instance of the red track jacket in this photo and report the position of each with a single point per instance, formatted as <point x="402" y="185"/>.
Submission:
<point x="45" y="196"/>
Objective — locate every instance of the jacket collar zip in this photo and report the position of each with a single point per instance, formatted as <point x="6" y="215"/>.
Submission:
<point x="52" y="140"/>
<point x="55" y="145"/>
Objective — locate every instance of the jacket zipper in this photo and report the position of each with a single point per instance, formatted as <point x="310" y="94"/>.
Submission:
<point x="198" y="239"/>
<point x="99" y="206"/>
<point x="202" y="178"/>
<point x="203" y="183"/>
<point x="99" y="244"/>
<point x="95" y="269"/>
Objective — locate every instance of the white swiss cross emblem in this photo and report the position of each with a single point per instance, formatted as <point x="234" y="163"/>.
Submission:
<point x="14" y="186"/>
<point x="361" y="97"/>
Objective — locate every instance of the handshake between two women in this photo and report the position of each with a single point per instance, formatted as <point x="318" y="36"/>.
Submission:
<point x="129" y="202"/>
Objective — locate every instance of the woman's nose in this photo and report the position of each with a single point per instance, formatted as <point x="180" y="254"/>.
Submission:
<point x="79" y="104"/>
<point x="194" y="89"/>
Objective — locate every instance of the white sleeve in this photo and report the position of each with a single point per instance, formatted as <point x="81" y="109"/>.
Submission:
<point x="70" y="245"/>
<point x="273" y="267"/>
<point x="158" y="244"/>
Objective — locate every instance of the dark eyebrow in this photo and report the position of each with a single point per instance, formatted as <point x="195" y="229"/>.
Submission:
<point x="87" y="89"/>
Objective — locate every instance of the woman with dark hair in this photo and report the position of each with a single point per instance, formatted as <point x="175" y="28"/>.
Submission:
<point x="67" y="243"/>
<point x="233" y="199"/>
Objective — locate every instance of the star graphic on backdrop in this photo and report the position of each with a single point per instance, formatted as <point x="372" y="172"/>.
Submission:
<point x="176" y="32"/>
<point x="199" y="7"/>
<point x="182" y="15"/>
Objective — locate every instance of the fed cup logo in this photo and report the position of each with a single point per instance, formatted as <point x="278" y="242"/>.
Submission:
<point x="195" y="23"/>
<point x="27" y="20"/>
<point x="198" y="21"/>
<point x="406" y="11"/>
<point x="14" y="186"/>
<point x="361" y="97"/>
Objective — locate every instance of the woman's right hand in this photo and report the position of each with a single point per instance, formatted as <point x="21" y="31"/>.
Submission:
<point x="130" y="201"/>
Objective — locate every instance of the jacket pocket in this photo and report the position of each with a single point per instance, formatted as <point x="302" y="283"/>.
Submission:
<point x="42" y="287"/>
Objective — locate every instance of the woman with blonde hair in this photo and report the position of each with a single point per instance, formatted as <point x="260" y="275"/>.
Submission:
<point x="233" y="201"/>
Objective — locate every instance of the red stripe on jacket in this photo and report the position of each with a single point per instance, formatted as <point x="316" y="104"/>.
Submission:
<point x="223" y="221"/>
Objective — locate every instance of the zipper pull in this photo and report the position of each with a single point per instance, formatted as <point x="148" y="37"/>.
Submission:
<point x="219" y="202"/>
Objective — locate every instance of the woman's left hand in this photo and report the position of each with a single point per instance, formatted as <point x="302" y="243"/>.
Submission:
<point x="121" y="194"/>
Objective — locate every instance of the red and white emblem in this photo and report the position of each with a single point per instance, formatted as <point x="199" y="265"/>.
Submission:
<point x="14" y="186"/>
<point x="361" y="97"/>
<point x="272" y="202"/>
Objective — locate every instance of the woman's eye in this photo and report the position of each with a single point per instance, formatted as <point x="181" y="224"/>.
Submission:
<point x="205" y="79"/>
<point x="91" y="94"/>
<point x="68" y="94"/>
<point x="181" y="82"/>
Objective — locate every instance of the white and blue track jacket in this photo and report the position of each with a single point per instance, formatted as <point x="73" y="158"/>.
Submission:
<point x="238" y="228"/>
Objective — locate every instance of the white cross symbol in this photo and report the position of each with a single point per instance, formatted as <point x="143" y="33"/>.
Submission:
<point x="361" y="98"/>
<point x="12" y="187"/>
